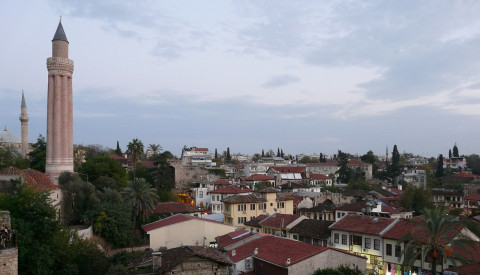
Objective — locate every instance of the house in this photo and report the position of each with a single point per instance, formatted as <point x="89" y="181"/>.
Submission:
<point x="366" y="168"/>
<point x="166" y="209"/>
<point x="458" y="163"/>
<point x="322" y="211"/>
<point x="448" y="197"/>
<point x="201" y="195"/>
<point x="190" y="260"/>
<point x="195" y="156"/>
<point x="392" y="249"/>
<point x="254" y="180"/>
<point x="326" y="168"/>
<point x="276" y="224"/>
<point x="417" y="177"/>
<point x="242" y="208"/>
<point x="362" y="235"/>
<point x="275" y="255"/>
<point x="320" y="179"/>
<point x="293" y="187"/>
<point x="371" y="208"/>
<point x="284" y="174"/>
<point x="32" y="178"/>
<point x="315" y="232"/>
<point x="472" y="202"/>
<point x="122" y="160"/>
<point x="217" y="195"/>
<point x="177" y="230"/>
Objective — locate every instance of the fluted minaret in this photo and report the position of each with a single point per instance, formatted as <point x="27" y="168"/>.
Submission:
<point x="24" y="119"/>
<point x="60" y="108"/>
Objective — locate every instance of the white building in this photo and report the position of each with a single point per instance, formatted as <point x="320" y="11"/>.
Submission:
<point x="194" y="156"/>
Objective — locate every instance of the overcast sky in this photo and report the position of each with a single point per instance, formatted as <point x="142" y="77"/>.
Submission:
<point x="305" y="76"/>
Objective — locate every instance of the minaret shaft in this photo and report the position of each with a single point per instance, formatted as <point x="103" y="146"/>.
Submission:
<point x="59" y="109"/>
<point x="24" y="122"/>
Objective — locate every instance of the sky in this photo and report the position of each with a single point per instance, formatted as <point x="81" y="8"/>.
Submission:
<point x="305" y="76"/>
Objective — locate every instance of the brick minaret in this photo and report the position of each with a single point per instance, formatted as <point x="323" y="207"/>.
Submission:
<point x="60" y="108"/>
<point x="24" y="119"/>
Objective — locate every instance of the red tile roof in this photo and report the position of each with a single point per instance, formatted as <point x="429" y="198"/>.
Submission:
<point x="231" y="189"/>
<point x="473" y="197"/>
<point x="289" y="169"/>
<point x="396" y="191"/>
<point x="276" y="250"/>
<point x="405" y="226"/>
<point x="319" y="177"/>
<point x="148" y="163"/>
<point x="279" y="220"/>
<point x="33" y="178"/>
<point x="255" y="222"/>
<point x="201" y="149"/>
<point x="354" y="207"/>
<point x="250" y="198"/>
<point x="362" y="224"/>
<point x="174" y="207"/>
<point x="115" y="157"/>
<point x="327" y="163"/>
<point x="221" y="182"/>
<point x="258" y="177"/>
<point x="233" y="237"/>
<point x="268" y="190"/>
<point x="466" y="269"/>
<point x="175" y="256"/>
<point x="172" y="220"/>
<point x="356" y="162"/>
<point x="464" y="175"/>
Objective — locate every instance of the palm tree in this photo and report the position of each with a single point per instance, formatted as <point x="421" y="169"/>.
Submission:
<point x="155" y="148"/>
<point x="135" y="148"/>
<point x="141" y="196"/>
<point x="435" y="236"/>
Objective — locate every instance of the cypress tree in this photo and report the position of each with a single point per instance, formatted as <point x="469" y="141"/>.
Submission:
<point x="278" y="151"/>
<point x="263" y="153"/>
<point x="449" y="153"/>
<point x="216" y="154"/>
<point x="118" y="151"/>
<point x="440" y="171"/>
<point x="228" y="157"/>
<point x="455" y="151"/>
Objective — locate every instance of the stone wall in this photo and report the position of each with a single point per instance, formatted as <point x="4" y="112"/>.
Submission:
<point x="9" y="261"/>
<point x="184" y="175"/>
<point x="5" y="219"/>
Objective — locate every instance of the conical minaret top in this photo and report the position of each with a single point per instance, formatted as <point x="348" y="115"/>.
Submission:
<point x="60" y="42"/>
<point x="24" y="105"/>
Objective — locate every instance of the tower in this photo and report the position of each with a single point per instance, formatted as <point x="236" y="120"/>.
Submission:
<point x="59" y="108"/>
<point x="24" y="120"/>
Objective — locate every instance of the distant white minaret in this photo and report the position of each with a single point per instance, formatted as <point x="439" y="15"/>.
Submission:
<point x="24" y="119"/>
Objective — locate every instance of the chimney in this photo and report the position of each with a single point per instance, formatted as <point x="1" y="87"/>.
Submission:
<point x="287" y="262"/>
<point x="234" y="253"/>
<point x="255" y="252"/>
<point x="157" y="260"/>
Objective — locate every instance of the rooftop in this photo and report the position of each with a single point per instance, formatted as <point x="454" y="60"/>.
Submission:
<point x="230" y="189"/>
<point x="312" y="228"/>
<point x="250" y="198"/>
<point x="175" y="256"/>
<point x="174" y="207"/>
<point x="172" y="220"/>
<point x="362" y="224"/>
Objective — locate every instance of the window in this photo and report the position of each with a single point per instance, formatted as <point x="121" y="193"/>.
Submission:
<point x="376" y="244"/>
<point x="213" y="198"/>
<point x="357" y="240"/>
<point x="242" y="220"/>
<point x="242" y="207"/>
<point x="252" y="206"/>
<point x="338" y="215"/>
<point x="251" y="218"/>
<point x="398" y="250"/>
<point x="368" y="243"/>
<point x="388" y="249"/>
<point x="335" y="237"/>
<point x="271" y="204"/>
<point x="295" y="237"/>
<point x="260" y="206"/>
<point x="200" y="194"/>
<point x="344" y="239"/>
<point x="281" y="204"/>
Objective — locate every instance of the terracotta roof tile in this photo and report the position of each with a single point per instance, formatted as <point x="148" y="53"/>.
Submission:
<point x="279" y="220"/>
<point x="268" y="190"/>
<point x="255" y="222"/>
<point x="221" y="182"/>
<point x="473" y="197"/>
<point x="312" y="228"/>
<point x="175" y="256"/>
<point x="319" y="177"/>
<point x="33" y="178"/>
<point x="233" y="237"/>
<point x="172" y="220"/>
<point x="466" y="269"/>
<point x="230" y="189"/>
<point x="362" y="224"/>
<point x="174" y="207"/>
<point x="250" y="198"/>
<point x="289" y="169"/>
<point x="258" y="177"/>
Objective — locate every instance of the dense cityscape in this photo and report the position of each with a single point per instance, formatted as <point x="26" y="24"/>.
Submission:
<point x="68" y="207"/>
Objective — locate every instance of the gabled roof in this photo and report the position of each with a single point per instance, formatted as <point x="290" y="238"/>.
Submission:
<point x="354" y="207"/>
<point x="399" y="229"/>
<point x="279" y="220"/>
<point x="258" y="177"/>
<point x="356" y="162"/>
<point x="33" y="178"/>
<point x="221" y="182"/>
<point x="464" y="175"/>
<point x="289" y="169"/>
<point x="326" y="163"/>
<point x="233" y="237"/>
<point x="175" y="256"/>
<point x="174" y="207"/>
<point x="255" y="222"/>
<point x="268" y="190"/>
<point x="362" y="224"/>
<point x="310" y="228"/>
<point x="321" y="207"/>
<point x="230" y="189"/>
<point x="319" y="177"/>
<point x="172" y="220"/>
<point x="466" y="269"/>
<point x="250" y="198"/>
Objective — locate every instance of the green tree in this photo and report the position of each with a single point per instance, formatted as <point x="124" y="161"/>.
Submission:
<point x="79" y="197"/>
<point x="227" y="155"/>
<point x="434" y="236"/>
<point x="344" y="172"/>
<point x="135" y="149"/>
<point x="216" y="153"/>
<point x="416" y="199"/>
<point x="118" y="151"/>
<point x="278" y="152"/>
<point x="307" y="159"/>
<point x="440" y="171"/>
<point x="104" y="166"/>
<point x="473" y="162"/>
<point x="263" y="153"/>
<point x="163" y="175"/>
<point x="455" y="151"/>
<point x="155" y="148"/>
<point x="341" y="270"/>
<point x="141" y="196"/>
<point x="38" y="156"/>
<point x="369" y="157"/>
<point x="8" y="156"/>
<point x="449" y="153"/>
<point x="393" y="169"/>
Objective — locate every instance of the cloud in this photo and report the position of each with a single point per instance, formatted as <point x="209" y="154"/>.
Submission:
<point x="280" y="81"/>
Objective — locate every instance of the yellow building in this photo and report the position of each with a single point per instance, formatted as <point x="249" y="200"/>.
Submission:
<point x="242" y="208"/>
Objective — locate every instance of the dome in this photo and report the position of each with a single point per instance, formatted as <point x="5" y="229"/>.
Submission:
<point x="9" y="137"/>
